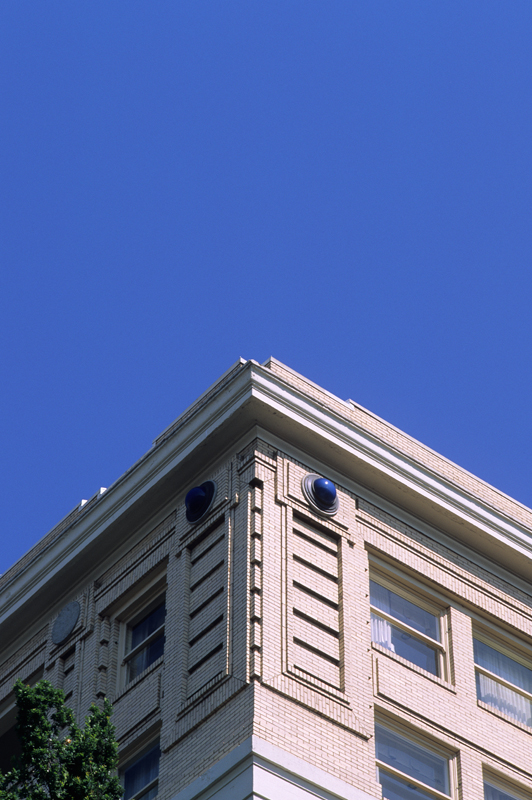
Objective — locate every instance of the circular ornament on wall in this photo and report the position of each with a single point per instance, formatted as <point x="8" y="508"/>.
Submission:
<point x="199" y="500"/>
<point x="66" y="622"/>
<point x="321" y="494"/>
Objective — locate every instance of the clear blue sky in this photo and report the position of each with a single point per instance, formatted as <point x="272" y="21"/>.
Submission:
<point x="343" y="185"/>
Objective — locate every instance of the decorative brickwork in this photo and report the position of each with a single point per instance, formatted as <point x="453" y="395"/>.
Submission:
<point x="265" y="678"/>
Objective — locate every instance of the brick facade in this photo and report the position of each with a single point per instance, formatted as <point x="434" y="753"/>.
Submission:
<point x="272" y="679"/>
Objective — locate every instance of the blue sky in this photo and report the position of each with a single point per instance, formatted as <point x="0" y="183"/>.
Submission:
<point x="343" y="185"/>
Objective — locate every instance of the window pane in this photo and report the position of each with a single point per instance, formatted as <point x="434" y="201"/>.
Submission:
<point x="404" y="645"/>
<point x="407" y="757"/>
<point x="395" y="789"/>
<point x="504" y="699"/>
<point x="149" y="795"/>
<point x="145" y="657"/>
<point x="9" y="747"/>
<point x="507" y="668"/>
<point x="405" y="611"/>
<point x="147" y="626"/>
<point x="141" y="773"/>
<point x="492" y="793"/>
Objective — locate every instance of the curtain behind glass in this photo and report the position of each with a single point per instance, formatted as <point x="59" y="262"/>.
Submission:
<point x="381" y="632"/>
<point x="148" y="625"/>
<point x="492" y="793"/>
<point x="404" y="644"/>
<point x="405" y="611"/>
<point x="505" y="667"/>
<point x="141" y="773"/>
<point x="504" y="699"/>
<point x="145" y="657"/>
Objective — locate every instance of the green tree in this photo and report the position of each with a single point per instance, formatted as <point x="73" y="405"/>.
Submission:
<point x="60" y="760"/>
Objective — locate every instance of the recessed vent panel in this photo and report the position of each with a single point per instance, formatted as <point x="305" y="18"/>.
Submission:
<point x="314" y="624"/>
<point x="207" y="627"/>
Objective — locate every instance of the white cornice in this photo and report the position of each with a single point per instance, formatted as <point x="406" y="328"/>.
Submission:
<point x="128" y="489"/>
<point x="255" y="395"/>
<point x="391" y="462"/>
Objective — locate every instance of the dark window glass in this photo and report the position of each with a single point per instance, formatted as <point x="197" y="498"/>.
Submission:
<point x="145" y="657"/>
<point x="9" y="747"/>
<point x="141" y="773"/>
<point x="153" y="649"/>
<point x="148" y="625"/>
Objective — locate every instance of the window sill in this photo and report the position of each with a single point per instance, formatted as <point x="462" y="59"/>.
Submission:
<point x="145" y="789"/>
<point x="408" y="664"/>
<point x="135" y="682"/>
<point x="504" y="717"/>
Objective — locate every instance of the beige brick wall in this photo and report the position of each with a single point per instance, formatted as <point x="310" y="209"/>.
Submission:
<point x="285" y="648"/>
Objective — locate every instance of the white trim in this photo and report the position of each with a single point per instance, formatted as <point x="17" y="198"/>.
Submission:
<point x="406" y="778"/>
<point x="254" y="395"/>
<point x="391" y="462"/>
<point x="398" y="513"/>
<point x="259" y="769"/>
<point x="239" y="363"/>
<point x="498" y="679"/>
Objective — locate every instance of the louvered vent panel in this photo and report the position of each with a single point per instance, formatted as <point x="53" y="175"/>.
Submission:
<point x="315" y="622"/>
<point x="69" y="674"/>
<point x="207" y="609"/>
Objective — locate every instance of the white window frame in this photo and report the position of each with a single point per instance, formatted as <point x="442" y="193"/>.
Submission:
<point x="128" y="614"/>
<point x="420" y="741"/>
<point x="504" y="785"/>
<point x="503" y="647"/>
<point x="402" y="587"/>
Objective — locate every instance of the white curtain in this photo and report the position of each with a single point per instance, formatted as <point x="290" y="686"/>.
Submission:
<point x="381" y="632"/>
<point x="504" y="699"/>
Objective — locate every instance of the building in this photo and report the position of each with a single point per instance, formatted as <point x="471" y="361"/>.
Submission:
<point x="335" y="611"/>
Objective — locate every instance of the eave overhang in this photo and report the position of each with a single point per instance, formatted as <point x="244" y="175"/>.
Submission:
<point x="251" y="395"/>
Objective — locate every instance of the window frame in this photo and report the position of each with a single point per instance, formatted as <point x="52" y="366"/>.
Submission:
<point x="503" y="784"/>
<point x="132" y="652"/>
<point x="8" y="717"/>
<point x="408" y="590"/>
<point x="138" y="754"/>
<point x="497" y="643"/>
<point x="147" y="598"/>
<point x="426" y="744"/>
<point x="8" y="705"/>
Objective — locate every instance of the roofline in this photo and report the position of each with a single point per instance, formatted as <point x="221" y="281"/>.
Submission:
<point x="289" y="406"/>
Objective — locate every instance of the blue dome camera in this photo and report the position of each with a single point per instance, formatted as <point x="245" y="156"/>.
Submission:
<point x="321" y="494"/>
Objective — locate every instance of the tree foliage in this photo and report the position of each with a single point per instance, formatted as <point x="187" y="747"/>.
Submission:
<point x="60" y="760"/>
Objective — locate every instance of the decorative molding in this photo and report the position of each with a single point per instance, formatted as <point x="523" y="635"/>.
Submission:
<point x="251" y="395"/>
<point x="258" y="769"/>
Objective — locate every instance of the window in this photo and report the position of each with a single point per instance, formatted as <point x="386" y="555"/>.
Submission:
<point x="503" y="682"/>
<point x="145" y="640"/>
<point x="406" y="628"/>
<point x="408" y="771"/>
<point x="493" y="791"/>
<point x="9" y="741"/>
<point x="9" y="748"/>
<point x="140" y="777"/>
